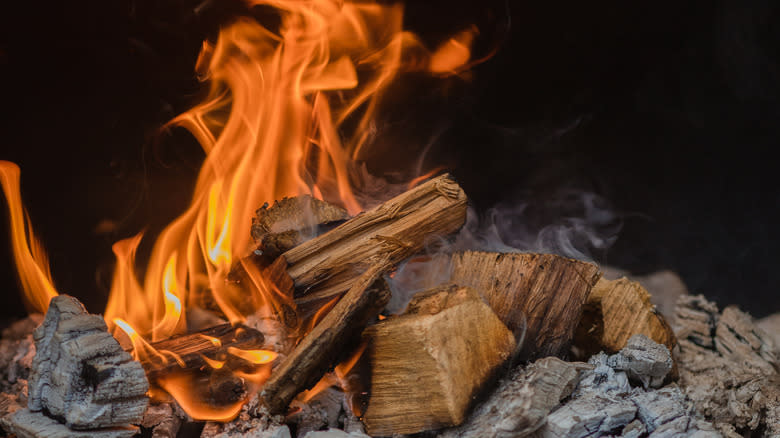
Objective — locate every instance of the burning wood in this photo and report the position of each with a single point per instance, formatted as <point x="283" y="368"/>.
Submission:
<point x="193" y="351"/>
<point x="330" y="338"/>
<point x="541" y="294"/>
<point x="429" y="364"/>
<point x="327" y="265"/>
<point x="80" y="374"/>
<point x="292" y="221"/>
<point x="615" y="311"/>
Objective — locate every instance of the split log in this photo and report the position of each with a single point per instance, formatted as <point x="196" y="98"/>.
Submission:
<point x="292" y="221"/>
<point x="541" y="294"/>
<point x="27" y="424"/>
<point x="615" y="311"/>
<point x="319" y="349"/>
<point x="728" y="367"/>
<point x="80" y="374"/>
<point x="520" y="404"/>
<point x="327" y="265"/>
<point x="189" y="349"/>
<point x="429" y="364"/>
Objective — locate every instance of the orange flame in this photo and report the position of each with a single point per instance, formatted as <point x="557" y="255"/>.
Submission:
<point x="29" y="256"/>
<point x="289" y="112"/>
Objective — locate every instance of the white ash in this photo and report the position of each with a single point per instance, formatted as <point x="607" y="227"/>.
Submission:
<point x="252" y="422"/>
<point x="605" y="404"/>
<point x="335" y="433"/>
<point x="27" y="424"/>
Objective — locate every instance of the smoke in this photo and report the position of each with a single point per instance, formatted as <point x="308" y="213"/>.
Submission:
<point x="569" y="223"/>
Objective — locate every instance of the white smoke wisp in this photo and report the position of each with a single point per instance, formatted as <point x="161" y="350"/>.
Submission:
<point x="569" y="223"/>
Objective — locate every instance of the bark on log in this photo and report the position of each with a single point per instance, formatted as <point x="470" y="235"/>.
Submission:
<point x="429" y="364"/>
<point x="80" y="374"/>
<point x="320" y="348"/>
<point x="615" y="311"/>
<point x="541" y="294"/>
<point x="327" y="265"/>
<point x="292" y="221"/>
<point x="190" y="348"/>
<point x="520" y="404"/>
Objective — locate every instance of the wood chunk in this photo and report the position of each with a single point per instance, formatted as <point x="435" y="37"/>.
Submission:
<point x="389" y="233"/>
<point x="643" y="360"/>
<point x="520" y="404"/>
<point x="428" y="366"/>
<point x="80" y="373"/>
<point x="190" y="348"/>
<point x="728" y="367"/>
<point x="615" y="311"/>
<point x="27" y="424"/>
<point x="541" y="294"/>
<point x="292" y="221"/>
<point x="319" y="349"/>
<point x="161" y="420"/>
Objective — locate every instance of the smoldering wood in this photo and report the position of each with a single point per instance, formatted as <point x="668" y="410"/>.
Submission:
<point x="321" y="411"/>
<point x="80" y="374"/>
<point x="728" y="367"/>
<point x="321" y="347"/>
<point x="27" y="424"/>
<point x="17" y="350"/>
<point x="190" y="348"/>
<point x="162" y="420"/>
<point x="428" y="365"/>
<point x="541" y="295"/>
<point x="291" y="221"/>
<point x="521" y="402"/>
<point x="253" y="421"/>
<point x="615" y="311"/>
<point x="389" y="233"/>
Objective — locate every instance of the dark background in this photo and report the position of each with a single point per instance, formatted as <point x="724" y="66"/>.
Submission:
<point x="667" y="110"/>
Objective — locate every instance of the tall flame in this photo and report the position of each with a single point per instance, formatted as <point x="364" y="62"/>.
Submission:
<point x="289" y="111"/>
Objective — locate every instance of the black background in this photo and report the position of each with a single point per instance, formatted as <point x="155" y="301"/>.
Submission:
<point x="667" y="109"/>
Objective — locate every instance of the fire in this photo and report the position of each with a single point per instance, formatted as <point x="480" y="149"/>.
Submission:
<point x="289" y="112"/>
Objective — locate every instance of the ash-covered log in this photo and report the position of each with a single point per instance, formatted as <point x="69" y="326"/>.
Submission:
<point x="80" y="375"/>
<point x="428" y="365"/>
<point x="539" y="294"/>
<point x="319" y="350"/>
<point x="389" y="233"/>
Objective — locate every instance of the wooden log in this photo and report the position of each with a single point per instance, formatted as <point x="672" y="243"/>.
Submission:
<point x="520" y="404"/>
<point x="292" y="221"/>
<point x="185" y="352"/>
<point x="540" y="294"/>
<point x="80" y="374"/>
<point x="327" y="265"/>
<point x="429" y="365"/>
<point x="319" y="350"/>
<point x="615" y="311"/>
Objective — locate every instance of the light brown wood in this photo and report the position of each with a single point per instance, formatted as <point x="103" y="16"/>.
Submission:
<point x="328" y="264"/>
<point x="615" y="311"/>
<point x="539" y="294"/>
<point x="319" y="350"/>
<point x="291" y="221"/>
<point x="429" y="365"/>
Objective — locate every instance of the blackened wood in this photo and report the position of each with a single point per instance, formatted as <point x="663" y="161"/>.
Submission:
<point x="320" y="348"/>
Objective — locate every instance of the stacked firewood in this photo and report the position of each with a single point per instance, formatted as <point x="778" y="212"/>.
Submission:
<point x="501" y="345"/>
